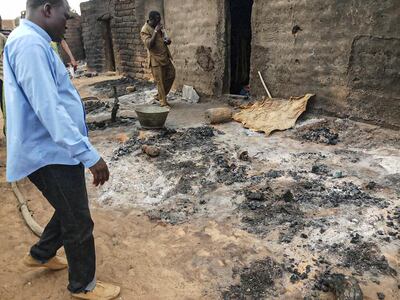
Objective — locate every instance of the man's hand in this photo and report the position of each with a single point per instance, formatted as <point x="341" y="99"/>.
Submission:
<point x="100" y="172"/>
<point x="159" y="27"/>
<point x="74" y="64"/>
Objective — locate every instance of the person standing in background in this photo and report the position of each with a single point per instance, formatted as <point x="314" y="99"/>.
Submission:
<point x="159" y="56"/>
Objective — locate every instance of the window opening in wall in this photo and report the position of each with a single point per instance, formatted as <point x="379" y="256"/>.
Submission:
<point x="240" y="46"/>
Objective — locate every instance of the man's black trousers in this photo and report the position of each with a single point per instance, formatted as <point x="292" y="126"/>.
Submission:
<point x="71" y="225"/>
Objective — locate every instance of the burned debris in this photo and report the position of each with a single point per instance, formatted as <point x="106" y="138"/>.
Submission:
<point x="300" y="198"/>
<point x="257" y="281"/>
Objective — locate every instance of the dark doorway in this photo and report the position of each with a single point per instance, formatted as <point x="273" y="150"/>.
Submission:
<point x="240" y="48"/>
<point x="108" y="45"/>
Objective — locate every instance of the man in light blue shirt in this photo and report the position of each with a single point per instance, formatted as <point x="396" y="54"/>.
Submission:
<point x="47" y="140"/>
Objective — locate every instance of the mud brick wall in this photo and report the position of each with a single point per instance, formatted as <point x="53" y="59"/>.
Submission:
<point x="93" y="31"/>
<point x="347" y="53"/>
<point x="197" y="30"/>
<point x="129" y="52"/>
<point x="73" y="36"/>
<point x="124" y="33"/>
<point x="132" y="56"/>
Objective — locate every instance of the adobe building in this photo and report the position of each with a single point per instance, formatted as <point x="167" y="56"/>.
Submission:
<point x="345" y="52"/>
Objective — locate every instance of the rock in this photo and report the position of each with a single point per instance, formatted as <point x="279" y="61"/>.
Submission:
<point x="274" y="174"/>
<point x="303" y="276"/>
<point x="288" y="196"/>
<point x="338" y="174"/>
<point x="294" y="278"/>
<point x="151" y="151"/>
<point x="130" y="89"/>
<point x="244" y="156"/>
<point x="381" y="296"/>
<point x="254" y="195"/>
<point x="355" y="238"/>
<point x="376" y="281"/>
<point x="189" y="94"/>
<point x="320" y="169"/>
<point x="304" y="236"/>
<point x="371" y="185"/>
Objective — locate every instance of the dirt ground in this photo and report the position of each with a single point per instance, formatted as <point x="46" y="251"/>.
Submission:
<point x="223" y="212"/>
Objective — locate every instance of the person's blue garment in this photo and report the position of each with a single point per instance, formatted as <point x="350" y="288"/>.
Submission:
<point x="45" y="115"/>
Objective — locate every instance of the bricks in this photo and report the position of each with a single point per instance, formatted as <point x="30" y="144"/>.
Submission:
<point x="128" y="49"/>
<point x="73" y="36"/>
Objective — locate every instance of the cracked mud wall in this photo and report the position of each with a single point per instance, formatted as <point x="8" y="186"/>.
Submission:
<point x="197" y="30"/>
<point x="346" y="52"/>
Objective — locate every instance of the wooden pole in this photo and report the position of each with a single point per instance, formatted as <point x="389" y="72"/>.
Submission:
<point x="265" y="86"/>
<point x="116" y="106"/>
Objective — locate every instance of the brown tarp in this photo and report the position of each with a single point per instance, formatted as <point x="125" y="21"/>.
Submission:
<point x="268" y="115"/>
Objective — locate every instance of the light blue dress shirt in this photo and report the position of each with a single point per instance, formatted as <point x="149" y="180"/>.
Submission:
<point x="45" y="115"/>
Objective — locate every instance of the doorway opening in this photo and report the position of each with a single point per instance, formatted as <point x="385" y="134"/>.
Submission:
<point x="108" y="45"/>
<point x="240" y="45"/>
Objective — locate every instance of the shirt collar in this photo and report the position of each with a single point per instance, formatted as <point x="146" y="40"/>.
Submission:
<point x="37" y="29"/>
<point x="149" y="27"/>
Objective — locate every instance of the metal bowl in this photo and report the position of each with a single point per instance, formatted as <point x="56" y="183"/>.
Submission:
<point x="152" y="117"/>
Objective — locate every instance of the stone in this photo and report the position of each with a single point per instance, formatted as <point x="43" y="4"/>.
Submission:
<point x="190" y="94"/>
<point x="244" y="156"/>
<point x="381" y="296"/>
<point x="288" y="196"/>
<point x="338" y="174"/>
<point x="130" y="89"/>
<point x="151" y="151"/>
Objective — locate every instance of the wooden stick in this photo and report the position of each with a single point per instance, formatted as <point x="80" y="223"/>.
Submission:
<point x="265" y="86"/>
<point x="116" y="106"/>
<point x="35" y="227"/>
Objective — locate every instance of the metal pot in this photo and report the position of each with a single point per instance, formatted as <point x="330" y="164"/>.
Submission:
<point x="152" y="117"/>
